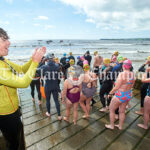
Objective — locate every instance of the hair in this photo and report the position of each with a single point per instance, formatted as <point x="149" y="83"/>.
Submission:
<point x="3" y="34"/>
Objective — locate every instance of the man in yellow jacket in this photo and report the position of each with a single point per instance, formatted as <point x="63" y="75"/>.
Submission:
<point x="10" y="123"/>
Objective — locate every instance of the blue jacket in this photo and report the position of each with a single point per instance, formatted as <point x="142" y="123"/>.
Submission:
<point x="50" y="72"/>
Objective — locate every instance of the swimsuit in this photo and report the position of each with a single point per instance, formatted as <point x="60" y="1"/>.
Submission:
<point x="96" y="70"/>
<point x="73" y="97"/>
<point x="123" y="96"/>
<point x="148" y="90"/>
<point x="88" y="92"/>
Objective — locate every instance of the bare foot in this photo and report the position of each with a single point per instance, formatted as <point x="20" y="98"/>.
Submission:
<point x="139" y="112"/>
<point x="65" y="119"/>
<point x="104" y="109"/>
<point x="59" y="118"/>
<point x="40" y="102"/>
<point x="142" y="126"/>
<point x="33" y="100"/>
<point x="85" y="116"/>
<point x="47" y="114"/>
<point x="108" y="126"/>
<point x="128" y="106"/>
<point x="117" y="125"/>
<point x="74" y="122"/>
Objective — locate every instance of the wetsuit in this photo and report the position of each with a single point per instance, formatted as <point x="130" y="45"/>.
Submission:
<point x="63" y="60"/>
<point x="106" y="87"/>
<point x="50" y="74"/>
<point x="144" y="86"/>
<point x="88" y="58"/>
<point x="71" y="57"/>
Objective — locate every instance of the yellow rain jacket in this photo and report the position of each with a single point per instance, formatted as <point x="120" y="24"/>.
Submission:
<point x="9" y="82"/>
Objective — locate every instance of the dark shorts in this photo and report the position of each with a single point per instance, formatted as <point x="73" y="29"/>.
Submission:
<point x="96" y="70"/>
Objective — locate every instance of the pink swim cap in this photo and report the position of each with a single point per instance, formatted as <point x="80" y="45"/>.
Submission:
<point x="127" y="64"/>
<point x="85" y="62"/>
<point x="114" y="59"/>
<point x="82" y="57"/>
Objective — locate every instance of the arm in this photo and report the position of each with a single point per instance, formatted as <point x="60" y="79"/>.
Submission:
<point x="118" y="84"/>
<point x="144" y="79"/>
<point x="7" y="78"/>
<point x="64" y="92"/>
<point x="18" y="68"/>
<point x="142" y="68"/>
<point x="94" y="62"/>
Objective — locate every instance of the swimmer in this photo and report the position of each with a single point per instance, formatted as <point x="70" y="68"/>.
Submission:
<point x="122" y="91"/>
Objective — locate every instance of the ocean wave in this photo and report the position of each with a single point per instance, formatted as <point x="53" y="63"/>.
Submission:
<point x="146" y="44"/>
<point x="143" y="52"/>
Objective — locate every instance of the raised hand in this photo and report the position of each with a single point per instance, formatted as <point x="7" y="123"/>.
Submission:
<point x="38" y="54"/>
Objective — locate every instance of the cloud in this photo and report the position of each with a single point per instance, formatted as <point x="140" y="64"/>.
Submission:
<point x="36" y="24"/>
<point x="4" y="22"/>
<point x="114" y="14"/>
<point x="49" y="26"/>
<point x="42" y="18"/>
<point x="9" y="1"/>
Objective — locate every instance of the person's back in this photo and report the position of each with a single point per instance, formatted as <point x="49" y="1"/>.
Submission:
<point x="98" y="61"/>
<point x="63" y="60"/>
<point x="50" y="73"/>
<point x="127" y="80"/>
<point x="88" y="57"/>
<point x="71" y="57"/>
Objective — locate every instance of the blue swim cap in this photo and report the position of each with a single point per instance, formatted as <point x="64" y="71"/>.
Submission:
<point x="64" y="54"/>
<point x="67" y="60"/>
<point x="78" y="57"/>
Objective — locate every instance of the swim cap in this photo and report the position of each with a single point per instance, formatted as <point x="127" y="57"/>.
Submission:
<point x="85" y="62"/>
<point x="49" y="56"/>
<point x="95" y="52"/>
<point x="86" y="67"/>
<point x="67" y="60"/>
<point x="64" y="54"/>
<point x="106" y="61"/>
<point x="114" y="59"/>
<point x="56" y="59"/>
<point x="78" y="57"/>
<point x="70" y="53"/>
<point x="116" y="53"/>
<point x="124" y="58"/>
<point x="71" y="62"/>
<point x="148" y="58"/>
<point x="119" y="58"/>
<point x="75" y="72"/>
<point x="127" y="64"/>
<point x="82" y="57"/>
<point x="87" y="52"/>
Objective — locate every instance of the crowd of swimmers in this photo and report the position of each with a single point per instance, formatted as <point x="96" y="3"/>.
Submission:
<point x="114" y="78"/>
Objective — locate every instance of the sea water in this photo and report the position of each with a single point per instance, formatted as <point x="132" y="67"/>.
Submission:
<point x="135" y="49"/>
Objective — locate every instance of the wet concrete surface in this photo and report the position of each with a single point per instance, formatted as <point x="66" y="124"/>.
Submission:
<point x="43" y="133"/>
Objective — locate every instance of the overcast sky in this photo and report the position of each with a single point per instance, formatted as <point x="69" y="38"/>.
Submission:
<point x="75" y="19"/>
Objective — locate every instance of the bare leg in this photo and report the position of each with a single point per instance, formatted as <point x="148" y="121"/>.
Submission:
<point x="146" y="113"/>
<point x="113" y="106"/>
<point x="88" y="105"/>
<point x="75" y="113"/>
<point x="82" y="99"/>
<point x="122" y="109"/>
<point x="68" y="107"/>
